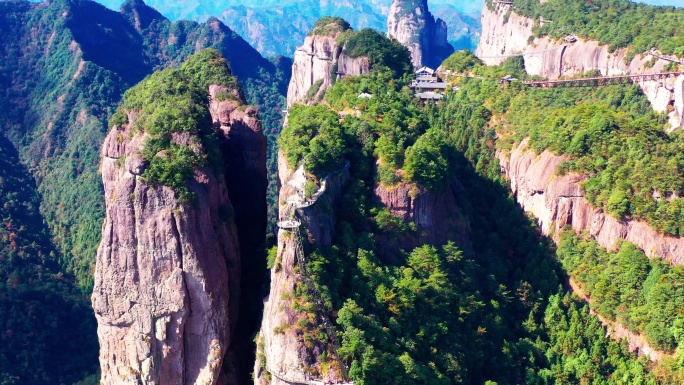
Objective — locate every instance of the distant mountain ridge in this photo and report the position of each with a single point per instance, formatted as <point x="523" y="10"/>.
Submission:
<point x="277" y="27"/>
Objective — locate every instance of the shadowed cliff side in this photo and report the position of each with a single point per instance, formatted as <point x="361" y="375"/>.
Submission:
<point x="243" y="146"/>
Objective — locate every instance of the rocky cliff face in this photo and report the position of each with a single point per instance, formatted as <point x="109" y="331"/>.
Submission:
<point x="318" y="63"/>
<point x="557" y="201"/>
<point x="283" y="351"/>
<point x="167" y="281"/>
<point x="244" y="152"/>
<point x="412" y="24"/>
<point x="505" y="33"/>
<point x="436" y="216"/>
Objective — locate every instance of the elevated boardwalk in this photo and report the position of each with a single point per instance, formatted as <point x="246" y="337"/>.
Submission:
<point x="601" y="80"/>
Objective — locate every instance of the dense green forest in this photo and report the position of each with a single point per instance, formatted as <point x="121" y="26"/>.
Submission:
<point x="643" y="294"/>
<point x="47" y="327"/>
<point x="618" y="23"/>
<point x="491" y="310"/>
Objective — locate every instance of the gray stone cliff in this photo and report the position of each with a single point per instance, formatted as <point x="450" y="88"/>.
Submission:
<point x="411" y="23"/>
<point x="167" y="279"/>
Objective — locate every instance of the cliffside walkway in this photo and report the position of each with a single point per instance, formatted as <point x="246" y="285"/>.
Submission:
<point x="600" y="81"/>
<point x="658" y="55"/>
<point x="289" y="221"/>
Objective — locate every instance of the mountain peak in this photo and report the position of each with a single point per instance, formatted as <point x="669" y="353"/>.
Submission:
<point x="412" y="24"/>
<point x="140" y="14"/>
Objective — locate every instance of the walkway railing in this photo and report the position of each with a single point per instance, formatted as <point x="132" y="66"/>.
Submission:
<point x="600" y="81"/>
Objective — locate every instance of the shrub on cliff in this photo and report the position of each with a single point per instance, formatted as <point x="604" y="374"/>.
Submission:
<point x="427" y="161"/>
<point x="313" y="135"/>
<point x="380" y="50"/>
<point x="175" y="101"/>
<point x="461" y="61"/>
<point x="329" y="25"/>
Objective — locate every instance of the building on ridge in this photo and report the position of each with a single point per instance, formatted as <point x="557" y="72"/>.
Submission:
<point x="428" y="85"/>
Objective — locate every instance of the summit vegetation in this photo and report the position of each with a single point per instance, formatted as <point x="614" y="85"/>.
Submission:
<point x="176" y="101"/>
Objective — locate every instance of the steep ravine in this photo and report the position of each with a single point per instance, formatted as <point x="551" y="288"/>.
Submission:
<point x="505" y="33"/>
<point x="167" y="281"/>
<point x="557" y="201"/>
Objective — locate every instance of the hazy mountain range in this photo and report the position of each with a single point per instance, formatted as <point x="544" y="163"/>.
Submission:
<point x="277" y="27"/>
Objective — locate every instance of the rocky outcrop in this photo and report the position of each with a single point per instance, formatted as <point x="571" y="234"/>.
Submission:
<point x="167" y="279"/>
<point x="505" y="33"/>
<point x="412" y="24"/>
<point x="558" y="201"/>
<point x="436" y="215"/>
<point x="283" y="352"/>
<point x="319" y="62"/>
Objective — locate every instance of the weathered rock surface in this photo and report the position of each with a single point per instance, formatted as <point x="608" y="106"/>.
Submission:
<point x="557" y="201"/>
<point x="412" y="24"/>
<point x="282" y="350"/>
<point x="506" y="33"/>
<point x="167" y="281"/>
<point x="244" y="152"/>
<point x="436" y="216"/>
<point x="320" y="59"/>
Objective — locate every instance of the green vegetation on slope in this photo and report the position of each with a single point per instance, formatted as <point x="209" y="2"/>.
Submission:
<point x="448" y="314"/>
<point x="643" y="294"/>
<point x="380" y="50"/>
<point x="618" y="23"/>
<point x="47" y="327"/>
<point x="610" y="134"/>
<point x="328" y="26"/>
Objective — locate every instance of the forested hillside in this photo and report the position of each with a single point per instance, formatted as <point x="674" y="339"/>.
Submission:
<point x="47" y="330"/>
<point x="491" y="309"/>
<point x="612" y="137"/>
<point x="65" y="67"/>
